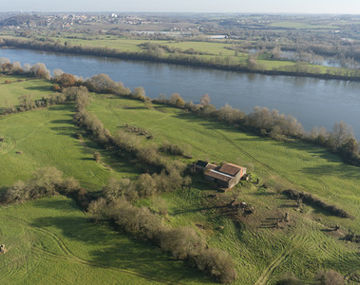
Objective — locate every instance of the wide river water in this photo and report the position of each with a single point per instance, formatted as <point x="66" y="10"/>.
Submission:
<point x="313" y="102"/>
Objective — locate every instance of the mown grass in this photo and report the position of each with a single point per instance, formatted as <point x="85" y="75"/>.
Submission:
<point x="283" y="165"/>
<point x="50" y="241"/>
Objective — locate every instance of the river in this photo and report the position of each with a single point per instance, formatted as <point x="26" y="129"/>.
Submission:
<point x="314" y="102"/>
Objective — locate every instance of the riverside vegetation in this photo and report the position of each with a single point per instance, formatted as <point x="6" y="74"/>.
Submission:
<point x="167" y="52"/>
<point x="141" y="185"/>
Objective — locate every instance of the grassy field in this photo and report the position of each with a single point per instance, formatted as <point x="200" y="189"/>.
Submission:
<point x="283" y="165"/>
<point x="12" y="87"/>
<point x="302" y="25"/>
<point x="48" y="138"/>
<point x="51" y="241"/>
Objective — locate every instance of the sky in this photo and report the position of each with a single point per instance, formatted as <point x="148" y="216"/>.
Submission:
<point x="236" y="6"/>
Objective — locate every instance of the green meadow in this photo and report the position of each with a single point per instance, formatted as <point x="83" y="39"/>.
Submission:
<point x="13" y="87"/>
<point x="51" y="241"/>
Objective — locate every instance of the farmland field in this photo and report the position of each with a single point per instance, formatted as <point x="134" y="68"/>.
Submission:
<point x="52" y="241"/>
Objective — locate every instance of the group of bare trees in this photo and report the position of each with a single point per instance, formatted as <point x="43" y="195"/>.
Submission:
<point x="38" y="70"/>
<point x="46" y="182"/>
<point x="183" y="243"/>
<point x="265" y="122"/>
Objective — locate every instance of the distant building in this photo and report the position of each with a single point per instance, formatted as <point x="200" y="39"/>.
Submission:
<point x="226" y="175"/>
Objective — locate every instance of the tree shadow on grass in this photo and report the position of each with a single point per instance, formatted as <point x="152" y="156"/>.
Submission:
<point x="134" y="108"/>
<point x="64" y="107"/>
<point x="40" y="88"/>
<point x="65" y="131"/>
<point x="334" y="170"/>
<point x="114" y="250"/>
<point x="88" y="147"/>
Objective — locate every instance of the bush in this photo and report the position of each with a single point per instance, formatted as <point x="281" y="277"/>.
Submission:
<point x="45" y="183"/>
<point x="139" y="93"/>
<point x="330" y="277"/>
<point x="39" y="70"/>
<point x="289" y="281"/>
<point x="172" y="149"/>
<point x="66" y="80"/>
<point x="177" y="100"/>
<point x="102" y="83"/>
<point x="182" y="242"/>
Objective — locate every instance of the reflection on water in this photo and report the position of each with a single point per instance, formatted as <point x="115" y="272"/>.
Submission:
<point x="312" y="101"/>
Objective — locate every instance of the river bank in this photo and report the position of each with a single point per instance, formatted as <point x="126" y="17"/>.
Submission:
<point x="299" y="69"/>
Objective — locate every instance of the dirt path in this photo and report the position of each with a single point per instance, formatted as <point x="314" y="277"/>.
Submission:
<point x="296" y="241"/>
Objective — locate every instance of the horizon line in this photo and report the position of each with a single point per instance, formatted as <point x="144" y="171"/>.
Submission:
<point x="187" y="12"/>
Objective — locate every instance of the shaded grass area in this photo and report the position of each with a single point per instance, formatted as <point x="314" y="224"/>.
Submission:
<point x="50" y="241"/>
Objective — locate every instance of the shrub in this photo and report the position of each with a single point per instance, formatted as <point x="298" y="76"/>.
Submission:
<point x="330" y="277"/>
<point x="139" y="93"/>
<point x="40" y="70"/>
<point x="97" y="156"/>
<point x="172" y="149"/>
<point x="291" y="280"/>
<point x="182" y="242"/>
<point x="177" y="100"/>
<point x="66" y="80"/>
<point x="102" y="83"/>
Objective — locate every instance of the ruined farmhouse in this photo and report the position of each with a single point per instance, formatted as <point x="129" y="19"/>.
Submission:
<point x="226" y="176"/>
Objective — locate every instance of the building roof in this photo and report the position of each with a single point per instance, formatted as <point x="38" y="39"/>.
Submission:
<point x="230" y="169"/>
<point x="211" y="166"/>
<point x="218" y="175"/>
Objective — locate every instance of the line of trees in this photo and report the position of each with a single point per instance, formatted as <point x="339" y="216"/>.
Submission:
<point x="217" y="62"/>
<point x="183" y="243"/>
<point x="38" y="70"/>
<point x="271" y="123"/>
<point x="169" y="172"/>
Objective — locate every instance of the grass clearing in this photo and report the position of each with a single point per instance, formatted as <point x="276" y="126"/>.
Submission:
<point x="47" y="137"/>
<point x="50" y="241"/>
<point x="12" y="87"/>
